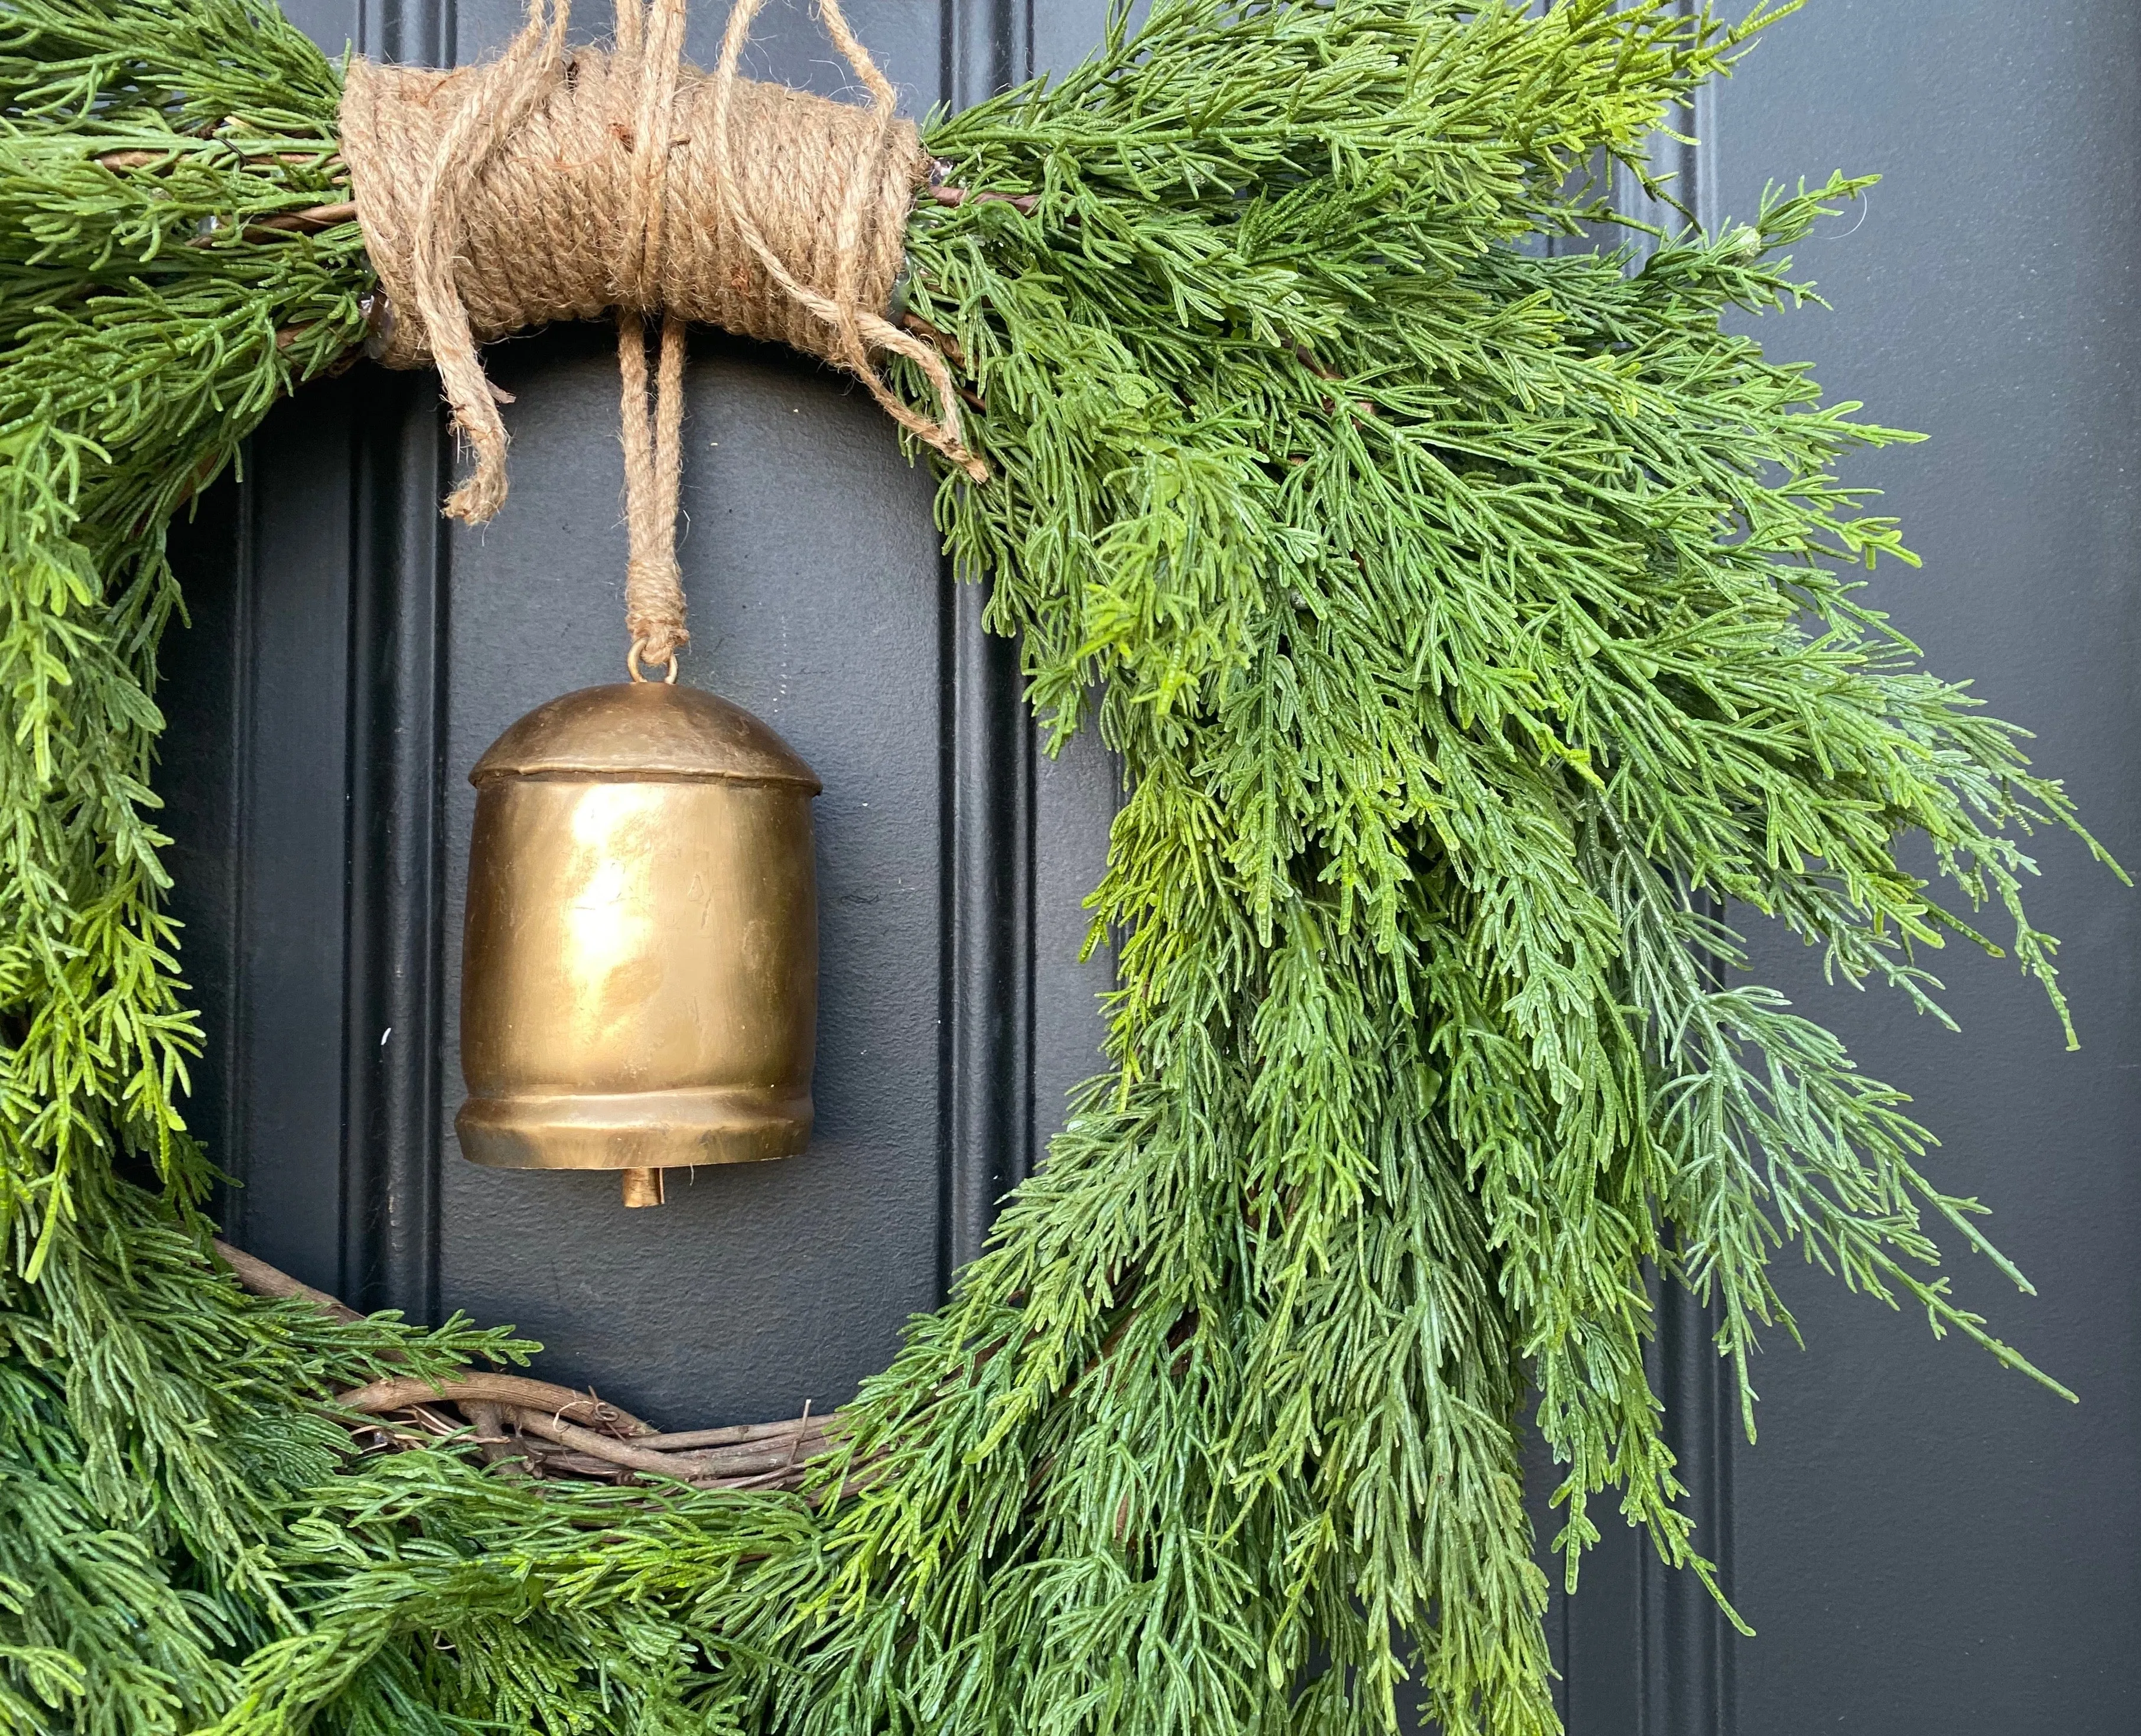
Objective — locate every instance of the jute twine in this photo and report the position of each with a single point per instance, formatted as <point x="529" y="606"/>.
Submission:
<point x="548" y="185"/>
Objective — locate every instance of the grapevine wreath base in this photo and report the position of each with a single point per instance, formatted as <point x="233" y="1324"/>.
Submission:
<point x="537" y="1428"/>
<point x="1476" y="619"/>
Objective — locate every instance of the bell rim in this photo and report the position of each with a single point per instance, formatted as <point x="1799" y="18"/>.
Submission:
<point x="603" y="1131"/>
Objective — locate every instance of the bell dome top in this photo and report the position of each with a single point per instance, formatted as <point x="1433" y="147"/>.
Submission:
<point x="644" y="730"/>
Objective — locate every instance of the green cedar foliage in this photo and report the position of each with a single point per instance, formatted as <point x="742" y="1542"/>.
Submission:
<point x="1475" y="620"/>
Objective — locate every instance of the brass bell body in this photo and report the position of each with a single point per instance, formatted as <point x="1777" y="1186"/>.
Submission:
<point x="639" y="969"/>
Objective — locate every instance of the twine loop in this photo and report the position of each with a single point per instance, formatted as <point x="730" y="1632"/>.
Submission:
<point x="548" y="185"/>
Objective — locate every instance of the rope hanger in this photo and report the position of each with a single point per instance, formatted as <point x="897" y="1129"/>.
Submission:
<point x="543" y="186"/>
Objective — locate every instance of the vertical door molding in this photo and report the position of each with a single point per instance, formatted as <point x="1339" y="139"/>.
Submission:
<point x="1685" y="1653"/>
<point x="394" y="927"/>
<point x="394" y="921"/>
<point x="986" y="1124"/>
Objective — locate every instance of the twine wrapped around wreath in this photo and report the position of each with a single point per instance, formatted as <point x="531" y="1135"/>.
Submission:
<point x="545" y="185"/>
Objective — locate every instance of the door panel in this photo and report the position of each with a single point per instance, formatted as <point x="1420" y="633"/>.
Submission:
<point x="1927" y="1543"/>
<point x="352" y="656"/>
<point x="811" y="572"/>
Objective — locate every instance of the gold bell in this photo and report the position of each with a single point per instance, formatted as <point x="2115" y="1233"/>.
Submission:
<point x="639" y="969"/>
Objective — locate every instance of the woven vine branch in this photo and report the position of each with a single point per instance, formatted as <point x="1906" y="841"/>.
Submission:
<point x="540" y="1429"/>
<point x="1475" y="617"/>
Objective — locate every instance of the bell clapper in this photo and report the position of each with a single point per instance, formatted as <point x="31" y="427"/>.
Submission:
<point x="642" y="1186"/>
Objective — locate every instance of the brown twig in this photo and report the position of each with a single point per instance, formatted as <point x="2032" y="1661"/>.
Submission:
<point x="256" y="1277"/>
<point x="436" y="1423"/>
<point x="514" y="1390"/>
<point x="580" y="1464"/>
<point x="310" y="220"/>
<point x="1022" y="203"/>
<point x="735" y="1435"/>
<point x="722" y="1462"/>
<point x="947" y="344"/>
<point x="787" y="1470"/>
<point x="784" y="1476"/>
<point x="494" y="1442"/>
<point x="330" y="165"/>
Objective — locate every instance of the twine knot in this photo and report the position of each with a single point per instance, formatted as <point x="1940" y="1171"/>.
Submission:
<point x="543" y="185"/>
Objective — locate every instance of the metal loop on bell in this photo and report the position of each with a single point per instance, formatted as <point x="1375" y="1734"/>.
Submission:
<point x="631" y="662"/>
